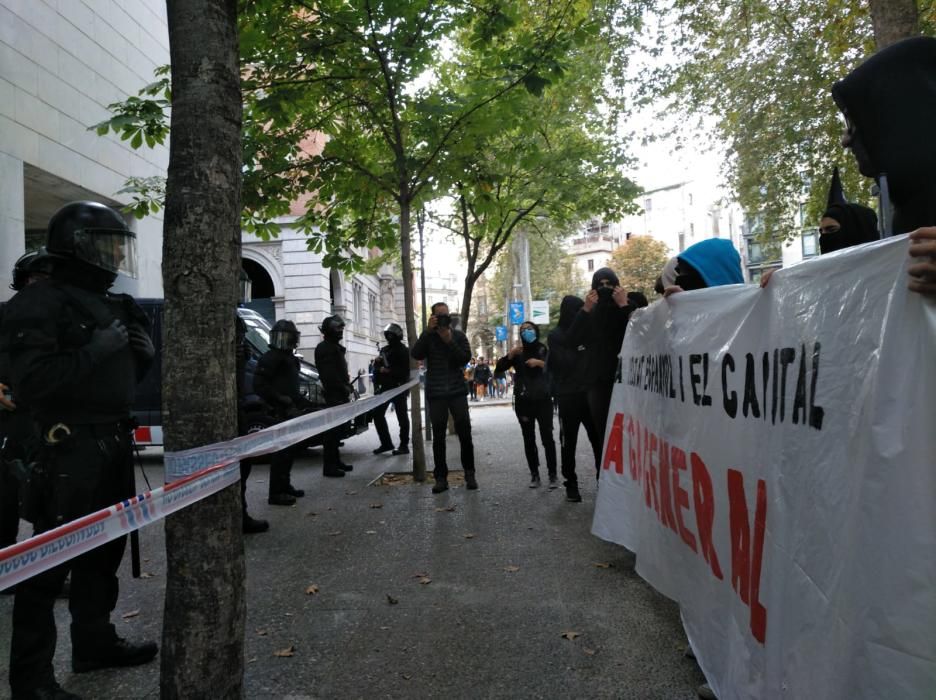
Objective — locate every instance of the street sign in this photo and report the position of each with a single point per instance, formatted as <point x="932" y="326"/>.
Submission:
<point x="516" y="312"/>
<point x="500" y="333"/>
<point x="541" y="312"/>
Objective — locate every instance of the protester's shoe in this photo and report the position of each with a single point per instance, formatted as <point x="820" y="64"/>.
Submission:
<point x="333" y="471"/>
<point x="535" y="482"/>
<point x="440" y="486"/>
<point x="401" y="450"/>
<point x="252" y="526"/>
<point x="346" y="467"/>
<point x="46" y="692"/>
<point x="384" y="448"/>
<point x="470" y="482"/>
<point x="553" y="482"/>
<point x="705" y="692"/>
<point x="293" y="491"/>
<point x="281" y="499"/>
<point x="573" y="495"/>
<point x="120" y="652"/>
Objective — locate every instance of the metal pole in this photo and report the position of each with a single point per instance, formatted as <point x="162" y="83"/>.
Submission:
<point x="420" y="222"/>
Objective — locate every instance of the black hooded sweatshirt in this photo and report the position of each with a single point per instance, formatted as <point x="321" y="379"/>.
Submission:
<point x="567" y="365"/>
<point x="890" y="99"/>
<point x="530" y="383"/>
<point x="601" y="331"/>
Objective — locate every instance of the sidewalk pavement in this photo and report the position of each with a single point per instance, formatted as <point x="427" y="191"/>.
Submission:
<point x="496" y="593"/>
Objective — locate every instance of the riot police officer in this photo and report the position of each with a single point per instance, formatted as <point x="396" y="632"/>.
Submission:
<point x="276" y="381"/>
<point x="333" y="371"/>
<point x="391" y="369"/>
<point x="76" y="353"/>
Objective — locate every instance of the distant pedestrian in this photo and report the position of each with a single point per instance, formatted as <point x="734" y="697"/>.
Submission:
<point x="446" y="352"/>
<point x="532" y="402"/>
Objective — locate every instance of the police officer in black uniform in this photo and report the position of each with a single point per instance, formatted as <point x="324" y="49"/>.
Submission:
<point x="391" y="369"/>
<point x="15" y="426"/>
<point x="276" y="381"/>
<point x="76" y="353"/>
<point x="333" y="371"/>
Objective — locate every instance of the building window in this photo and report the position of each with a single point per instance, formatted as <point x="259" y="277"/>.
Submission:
<point x="372" y="308"/>
<point x="755" y="252"/>
<point x="357" y="313"/>
<point x="591" y="265"/>
<point x="810" y="243"/>
<point x="627" y="236"/>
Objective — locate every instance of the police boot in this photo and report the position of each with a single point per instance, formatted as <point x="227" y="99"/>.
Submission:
<point x="293" y="491"/>
<point x="98" y="646"/>
<point x="281" y="499"/>
<point x="346" y="467"/>
<point x="52" y="691"/>
<point x="252" y="526"/>
<point x="333" y="471"/>
<point x="572" y="493"/>
<point x="470" y="482"/>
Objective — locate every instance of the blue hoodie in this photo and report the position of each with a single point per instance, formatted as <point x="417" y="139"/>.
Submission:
<point x="716" y="260"/>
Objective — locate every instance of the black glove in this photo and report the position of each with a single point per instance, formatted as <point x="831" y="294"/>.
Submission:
<point x="107" y="341"/>
<point x="141" y="344"/>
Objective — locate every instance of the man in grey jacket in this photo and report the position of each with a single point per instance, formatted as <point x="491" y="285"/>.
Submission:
<point x="445" y="351"/>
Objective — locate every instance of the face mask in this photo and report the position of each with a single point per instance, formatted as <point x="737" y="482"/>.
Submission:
<point x="528" y="335"/>
<point x="604" y="293"/>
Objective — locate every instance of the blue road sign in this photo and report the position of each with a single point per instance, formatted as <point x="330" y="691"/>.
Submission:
<point x="500" y="333"/>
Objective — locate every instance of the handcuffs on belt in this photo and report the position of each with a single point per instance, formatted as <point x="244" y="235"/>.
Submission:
<point x="57" y="433"/>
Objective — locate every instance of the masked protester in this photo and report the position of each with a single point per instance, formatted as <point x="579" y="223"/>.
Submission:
<point x="889" y="104"/>
<point x="446" y="352"/>
<point x="76" y="353"/>
<point x="568" y="370"/>
<point x="710" y="263"/>
<point x="333" y="371"/>
<point x="600" y="325"/>
<point x="391" y="369"/>
<point x="532" y="402"/>
<point x="249" y="525"/>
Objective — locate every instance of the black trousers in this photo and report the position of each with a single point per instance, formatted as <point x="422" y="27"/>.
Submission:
<point x="402" y="414"/>
<point x="439" y="409"/>
<point x="281" y="464"/>
<point x="9" y="505"/>
<point x="331" y="459"/>
<point x="89" y="472"/>
<point x="530" y="413"/>
<point x="599" y="401"/>
<point x="573" y="412"/>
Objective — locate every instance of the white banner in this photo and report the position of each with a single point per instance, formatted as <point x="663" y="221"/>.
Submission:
<point x="770" y="457"/>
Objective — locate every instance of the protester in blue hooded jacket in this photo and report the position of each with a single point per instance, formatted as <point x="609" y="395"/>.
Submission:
<point x="710" y="263"/>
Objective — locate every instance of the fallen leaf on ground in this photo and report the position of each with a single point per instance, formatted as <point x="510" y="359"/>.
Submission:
<point x="384" y="628"/>
<point x="604" y="565"/>
<point x="350" y="493"/>
<point x="376" y="505"/>
<point x="250" y="661"/>
<point x="336" y="532"/>
<point x="128" y="615"/>
<point x="262" y="633"/>
<point x="405" y="676"/>
<point x="392" y="600"/>
<point x="370" y="532"/>
<point x="146" y="574"/>
<point x="469" y="536"/>
<point x="288" y="651"/>
<point x="570" y="635"/>
<point x="312" y="590"/>
<point x="425" y="580"/>
<point x="420" y="574"/>
<point x="310" y="514"/>
<point x="511" y="568"/>
<point x="590" y="652"/>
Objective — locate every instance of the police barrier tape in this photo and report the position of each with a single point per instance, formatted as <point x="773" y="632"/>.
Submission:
<point x="191" y="476"/>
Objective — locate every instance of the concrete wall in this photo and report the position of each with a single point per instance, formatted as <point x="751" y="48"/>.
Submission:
<point x="61" y="63"/>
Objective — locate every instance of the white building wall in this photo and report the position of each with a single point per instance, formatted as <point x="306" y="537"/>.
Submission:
<point x="61" y="63"/>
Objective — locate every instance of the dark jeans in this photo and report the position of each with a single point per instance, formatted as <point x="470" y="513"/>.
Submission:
<point x="573" y="412"/>
<point x="599" y="400"/>
<point x="402" y="414"/>
<point x="529" y="413"/>
<point x="89" y="472"/>
<point x="439" y="409"/>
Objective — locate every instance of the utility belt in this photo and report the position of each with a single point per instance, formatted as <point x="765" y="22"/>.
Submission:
<point x="57" y="432"/>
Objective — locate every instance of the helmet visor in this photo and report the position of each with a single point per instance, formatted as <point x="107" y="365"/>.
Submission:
<point x="284" y="339"/>
<point x="113" y="250"/>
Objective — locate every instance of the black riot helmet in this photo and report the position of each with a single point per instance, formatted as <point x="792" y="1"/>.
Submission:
<point x="35" y="263"/>
<point x="284" y="335"/>
<point x="333" y="327"/>
<point x="393" y="333"/>
<point x="94" y="235"/>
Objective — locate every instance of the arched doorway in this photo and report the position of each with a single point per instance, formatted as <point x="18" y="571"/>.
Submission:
<point x="262" y="290"/>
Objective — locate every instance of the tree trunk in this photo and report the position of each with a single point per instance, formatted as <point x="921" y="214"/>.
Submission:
<point x="409" y="304"/>
<point x="203" y="623"/>
<point x="893" y="20"/>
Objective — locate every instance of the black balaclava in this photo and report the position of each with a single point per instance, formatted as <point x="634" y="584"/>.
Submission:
<point x="858" y="224"/>
<point x="688" y="278"/>
<point x="890" y="100"/>
<point x="604" y="293"/>
<point x="569" y="306"/>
